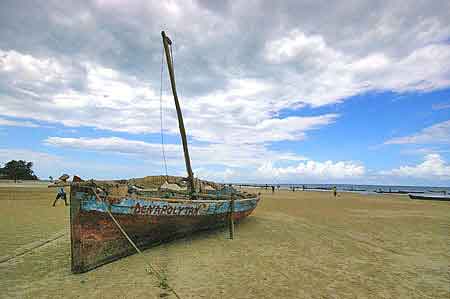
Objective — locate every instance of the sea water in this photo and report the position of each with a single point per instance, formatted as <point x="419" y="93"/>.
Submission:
<point x="362" y="188"/>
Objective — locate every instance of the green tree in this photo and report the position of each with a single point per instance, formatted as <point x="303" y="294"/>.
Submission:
<point x="19" y="170"/>
<point x="2" y="173"/>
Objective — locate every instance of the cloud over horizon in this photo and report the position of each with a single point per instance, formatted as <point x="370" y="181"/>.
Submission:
<point x="433" y="167"/>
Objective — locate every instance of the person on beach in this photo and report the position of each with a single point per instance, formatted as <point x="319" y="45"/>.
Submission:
<point x="61" y="194"/>
<point x="273" y="189"/>
<point x="334" y="191"/>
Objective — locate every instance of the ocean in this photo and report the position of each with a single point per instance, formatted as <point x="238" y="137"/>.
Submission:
<point x="360" y="188"/>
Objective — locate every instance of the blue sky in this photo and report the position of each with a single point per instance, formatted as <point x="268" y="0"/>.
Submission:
<point x="281" y="97"/>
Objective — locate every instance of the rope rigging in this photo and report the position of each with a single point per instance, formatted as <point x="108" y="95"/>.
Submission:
<point x="150" y="268"/>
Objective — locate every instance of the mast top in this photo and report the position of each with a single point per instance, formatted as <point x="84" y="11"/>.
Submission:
<point x="169" y="41"/>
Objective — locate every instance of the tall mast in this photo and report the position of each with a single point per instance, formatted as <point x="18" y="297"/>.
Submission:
<point x="167" y="42"/>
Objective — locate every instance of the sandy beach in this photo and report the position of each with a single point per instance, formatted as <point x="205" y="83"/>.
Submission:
<point x="295" y="245"/>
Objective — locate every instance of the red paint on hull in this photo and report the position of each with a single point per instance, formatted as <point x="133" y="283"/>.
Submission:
<point x="96" y="239"/>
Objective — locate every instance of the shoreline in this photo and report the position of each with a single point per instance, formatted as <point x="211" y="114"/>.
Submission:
<point x="376" y="189"/>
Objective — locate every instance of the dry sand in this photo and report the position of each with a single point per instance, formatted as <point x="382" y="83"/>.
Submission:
<point x="295" y="245"/>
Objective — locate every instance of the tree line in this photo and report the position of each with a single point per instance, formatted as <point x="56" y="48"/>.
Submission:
<point x="17" y="170"/>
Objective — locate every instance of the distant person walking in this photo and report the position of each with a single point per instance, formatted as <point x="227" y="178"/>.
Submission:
<point x="60" y="195"/>
<point x="334" y="191"/>
<point x="273" y="189"/>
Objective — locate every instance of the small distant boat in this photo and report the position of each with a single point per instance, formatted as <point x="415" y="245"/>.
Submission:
<point x="442" y="197"/>
<point x="105" y="216"/>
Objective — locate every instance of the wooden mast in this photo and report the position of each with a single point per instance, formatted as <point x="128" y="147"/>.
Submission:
<point x="167" y="42"/>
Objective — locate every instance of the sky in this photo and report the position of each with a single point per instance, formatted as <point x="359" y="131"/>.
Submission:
<point x="351" y="92"/>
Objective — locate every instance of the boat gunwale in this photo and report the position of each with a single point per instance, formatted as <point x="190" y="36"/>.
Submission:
<point x="256" y="197"/>
<point x="174" y="200"/>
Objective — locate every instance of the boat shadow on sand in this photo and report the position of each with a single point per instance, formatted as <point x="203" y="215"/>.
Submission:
<point x="221" y="232"/>
<point x="193" y="239"/>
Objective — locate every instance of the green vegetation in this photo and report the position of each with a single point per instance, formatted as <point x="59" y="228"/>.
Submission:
<point x="18" y="170"/>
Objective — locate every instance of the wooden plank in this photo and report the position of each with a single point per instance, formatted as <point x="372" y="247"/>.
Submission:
<point x="59" y="185"/>
<point x="231" y="220"/>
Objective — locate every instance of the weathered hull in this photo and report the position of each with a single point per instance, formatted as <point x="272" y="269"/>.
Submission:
<point x="429" y="197"/>
<point x="96" y="239"/>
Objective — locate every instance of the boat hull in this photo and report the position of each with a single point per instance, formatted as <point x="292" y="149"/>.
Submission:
<point x="429" y="197"/>
<point x="96" y="239"/>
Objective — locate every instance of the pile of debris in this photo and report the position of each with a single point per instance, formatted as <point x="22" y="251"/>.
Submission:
<point x="148" y="185"/>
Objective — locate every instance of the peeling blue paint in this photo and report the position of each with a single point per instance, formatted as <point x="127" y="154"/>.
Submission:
<point x="161" y="207"/>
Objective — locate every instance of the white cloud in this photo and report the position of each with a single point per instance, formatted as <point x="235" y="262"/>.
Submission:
<point x="108" y="100"/>
<point x="17" y="123"/>
<point x="109" y="144"/>
<point x="246" y="162"/>
<point x="96" y="77"/>
<point x="29" y="67"/>
<point x="245" y="155"/>
<point x="433" y="167"/>
<point x="43" y="163"/>
<point x="333" y="75"/>
<point x="438" y="133"/>
<point x="28" y="155"/>
<point x="46" y="164"/>
<point x="314" y="170"/>
<point x="243" y="112"/>
<point x="226" y="175"/>
<point x="297" y="45"/>
<point x="441" y="106"/>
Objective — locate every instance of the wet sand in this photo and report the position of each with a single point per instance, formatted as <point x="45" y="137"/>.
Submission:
<point x="295" y="245"/>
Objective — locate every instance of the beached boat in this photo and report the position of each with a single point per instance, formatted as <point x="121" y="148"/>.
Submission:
<point x="425" y="196"/>
<point x="148" y="219"/>
<point x="108" y="219"/>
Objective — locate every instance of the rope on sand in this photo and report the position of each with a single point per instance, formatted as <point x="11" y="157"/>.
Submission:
<point x="150" y="269"/>
<point x="40" y="244"/>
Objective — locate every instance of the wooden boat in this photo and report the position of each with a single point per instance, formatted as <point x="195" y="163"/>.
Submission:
<point x="443" y="197"/>
<point x="103" y="215"/>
